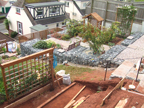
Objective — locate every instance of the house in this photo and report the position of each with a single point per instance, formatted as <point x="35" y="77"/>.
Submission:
<point x="23" y="16"/>
<point x="5" y="5"/>
<point x="75" y="8"/>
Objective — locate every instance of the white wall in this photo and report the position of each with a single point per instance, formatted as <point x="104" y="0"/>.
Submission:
<point x="13" y="17"/>
<point x="72" y="9"/>
<point x="54" y="25"/>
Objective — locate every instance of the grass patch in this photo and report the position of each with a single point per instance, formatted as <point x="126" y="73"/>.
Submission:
<point x="92" y="79"/>
<point x="73" y="71"/>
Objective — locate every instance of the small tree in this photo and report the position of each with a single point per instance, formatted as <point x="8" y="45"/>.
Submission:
<point x="6" y="22"/>
<point x="96" y="37"/>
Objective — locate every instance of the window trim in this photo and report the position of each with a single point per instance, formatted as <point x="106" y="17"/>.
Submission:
<point x="18" y="27"/>
<point x="56" y="11"/>
<point x="66" y="5"/>
<point x="40" y="10"/>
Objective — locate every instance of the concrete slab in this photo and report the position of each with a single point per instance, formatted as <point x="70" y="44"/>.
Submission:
<point x="123" y="69"/>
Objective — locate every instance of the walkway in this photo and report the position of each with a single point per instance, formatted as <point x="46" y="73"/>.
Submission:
<point x="131" y="55"/>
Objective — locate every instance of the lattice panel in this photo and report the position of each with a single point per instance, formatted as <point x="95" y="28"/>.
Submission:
<point x="29" y="73"/>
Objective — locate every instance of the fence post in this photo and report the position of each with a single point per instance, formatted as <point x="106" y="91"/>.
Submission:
<point x="105" y="13"/>
<point x="7" y="46"/>
<point x="92" y="5"/>
<point x="4" y="80"/>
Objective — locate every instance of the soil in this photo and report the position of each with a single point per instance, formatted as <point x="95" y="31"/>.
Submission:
<point x="95" y="99"/>
<point x="97" y="75"/>
<point x="117" y="40"/>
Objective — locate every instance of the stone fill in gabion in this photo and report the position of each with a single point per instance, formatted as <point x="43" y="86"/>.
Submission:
<point x="83" y="55"/>
<point x="135" y="36"/>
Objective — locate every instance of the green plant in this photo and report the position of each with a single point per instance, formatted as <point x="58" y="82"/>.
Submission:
<point x="40" y="45"/>
<point x="111" y="44"/>
<point x="74" y="27"/>
<point x="18" y="51"/>
<point x="58" y="46"/>
<point x="98" y="91"/>
<point x="66" y="37"/>
<point x="126" y="15"/>
<point x="50" y="43"/>
<point x="4" y="50"/>
<point x="6" y="22"/>
<point x="14" y="34"/>
<point x="0" y="60"/>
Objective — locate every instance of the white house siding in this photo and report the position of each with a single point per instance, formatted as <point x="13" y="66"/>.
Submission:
<point x="23" y="18"/>
<point x="72" y="9"/>
<point x="0" y="8"/>
<point x="80" y="4"/>
<point x="54" y="25"/>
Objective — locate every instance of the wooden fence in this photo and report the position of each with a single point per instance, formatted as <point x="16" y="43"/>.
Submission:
<point x="3" y="44"/>
<point x="27" y="74"/>
<point x="107" y="9"/>
<point x="40" y="34"/>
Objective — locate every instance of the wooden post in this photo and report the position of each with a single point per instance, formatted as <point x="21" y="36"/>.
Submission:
<point x="105" y="13"/>
<point x="4" y="80"/>
<point x="116" y="14"/>
<point x="7" y="46"/>
<point x="138" y="69"/>
<point x="131" y="25"/>
<point x="92" y="5"/>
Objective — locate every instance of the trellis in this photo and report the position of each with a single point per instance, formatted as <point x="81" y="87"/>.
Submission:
<point x="125" y="15"/>
<point x="27" y="74"/>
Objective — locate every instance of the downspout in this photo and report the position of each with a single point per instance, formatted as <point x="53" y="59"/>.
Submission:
<point x="92" y="1"/>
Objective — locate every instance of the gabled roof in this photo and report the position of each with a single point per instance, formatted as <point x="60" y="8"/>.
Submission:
<point x="19" y="3"/>
<point x="29" y="16"/>
<point x="3" y="3"/>
<point x="43" y="4"/>
<point x="3" y="36"/>
<point x="51" y="20"/>
<point x="95" y="15"/>
<point x="78" y="8"/>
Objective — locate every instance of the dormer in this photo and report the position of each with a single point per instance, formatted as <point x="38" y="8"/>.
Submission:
<point x="46" y="9"/>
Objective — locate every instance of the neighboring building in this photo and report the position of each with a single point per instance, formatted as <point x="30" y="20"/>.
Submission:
<point x="75" y="8"/>
<point x="24" y="16"/>
<point x="5" y="5"/>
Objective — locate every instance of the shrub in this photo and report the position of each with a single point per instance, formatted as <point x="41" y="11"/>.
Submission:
<point x="14" y="34"/>
<point x="66" y="37"/>
<point x="56" y="35"/>
<point x="50" y="43"/>
<point x="58" y="46"/>
<point x="18" y="51"/>
<point x="40" y="45"/>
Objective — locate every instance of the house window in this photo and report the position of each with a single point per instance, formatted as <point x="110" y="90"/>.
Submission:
<point x="40" y="12"/>
<point x="84" y="5"/>
<point x="67" y="4"/>
<point x="54" y="10"/>
<point x="18" y="11"/>
<point x="20" y="28"/>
